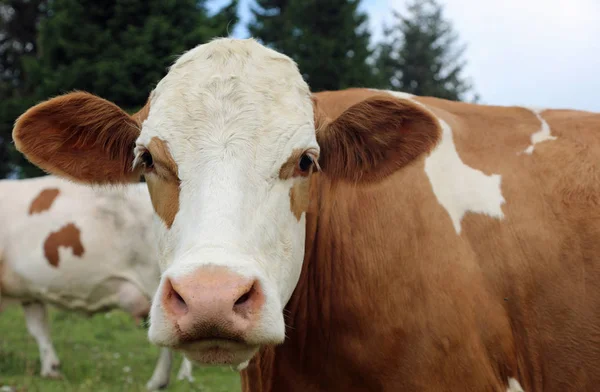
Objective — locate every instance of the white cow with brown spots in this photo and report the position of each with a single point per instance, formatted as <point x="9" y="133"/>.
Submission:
<point x="79" y="248"/>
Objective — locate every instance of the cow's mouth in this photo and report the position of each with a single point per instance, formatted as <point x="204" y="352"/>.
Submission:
<point x="219" y="352"/>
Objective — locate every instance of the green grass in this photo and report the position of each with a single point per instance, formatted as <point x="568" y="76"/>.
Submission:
<point x="106" y="352"/>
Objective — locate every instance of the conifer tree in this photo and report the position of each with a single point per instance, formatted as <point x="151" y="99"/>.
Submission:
<point x="328" y="39"/>
<point x="421" y="54"/>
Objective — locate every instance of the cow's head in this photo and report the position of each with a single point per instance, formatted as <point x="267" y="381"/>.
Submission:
<point x="227" y="143"/>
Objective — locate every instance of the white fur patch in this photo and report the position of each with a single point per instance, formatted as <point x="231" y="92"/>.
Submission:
<point x="540" y="136"/>
<point x="514" y="386"/>
<point x="458" y="187"/>
<point x="397" y="94"/>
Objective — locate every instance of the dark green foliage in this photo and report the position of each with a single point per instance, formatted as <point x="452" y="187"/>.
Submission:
<point x="117" y="49"/>
<point x="18" y="33"/>
<point x="421" y="55"/>
<point x="11" y="161"/>
<point x="327" y="38"/>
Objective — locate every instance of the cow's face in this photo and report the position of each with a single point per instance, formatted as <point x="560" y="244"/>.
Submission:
<point x="227" y="158"/>
<point x="227" y="143"/>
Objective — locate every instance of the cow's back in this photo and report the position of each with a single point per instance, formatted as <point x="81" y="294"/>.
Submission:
<point x="528" y="189"/>
<point x="74" y="245"/>
<point x="542" y="258"/>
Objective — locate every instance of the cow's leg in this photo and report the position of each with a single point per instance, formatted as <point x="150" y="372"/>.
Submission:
<point x="37" y="324"/>
<point x="1" y="274"/>
<point x="162" y="371"/>
<point x="133" y="301"/>
<point x="185" y="371"/>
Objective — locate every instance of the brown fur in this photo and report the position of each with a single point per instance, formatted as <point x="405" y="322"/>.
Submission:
<point x="163" y="183"/>
<point x="351" y="150"/>
<point x="299" y="198"/>
<point x="43" y="201"/>
<point x="299" y="192"/>
<point x="507" y="298"/>
<point x="69" y="236"/>
<point x="57" y="133"/>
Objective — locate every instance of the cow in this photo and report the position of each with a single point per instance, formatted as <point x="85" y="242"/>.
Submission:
<point x="353" y="240"/>
<point x="80" y="248"/>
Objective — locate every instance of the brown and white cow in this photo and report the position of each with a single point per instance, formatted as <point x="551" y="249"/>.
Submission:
<point x="435" y="246"/>
<point x="79" y="248"/>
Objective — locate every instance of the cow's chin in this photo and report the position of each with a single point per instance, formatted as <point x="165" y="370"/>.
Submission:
<point x="219" y="352"/>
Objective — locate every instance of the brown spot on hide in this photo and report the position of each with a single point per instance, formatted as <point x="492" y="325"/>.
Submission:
<point x="69" y="236"/>
<point x="43" y="201"/>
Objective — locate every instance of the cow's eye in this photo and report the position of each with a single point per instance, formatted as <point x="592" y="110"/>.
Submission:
<point x="147" y="160"/>
<point x="305" y="163"/>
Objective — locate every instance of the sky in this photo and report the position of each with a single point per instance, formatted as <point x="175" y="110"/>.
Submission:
<point x="539" y="53"/>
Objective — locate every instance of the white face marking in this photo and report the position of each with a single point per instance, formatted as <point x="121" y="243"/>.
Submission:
<point x="542" y="135"/>
<point x="514" y="386"/>
<point x="232" y="112"/>
<point x="459" y="188"/>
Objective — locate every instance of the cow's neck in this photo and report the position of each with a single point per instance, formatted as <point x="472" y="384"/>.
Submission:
<point x="373" y="279"/>
<point x="320" y="314"/>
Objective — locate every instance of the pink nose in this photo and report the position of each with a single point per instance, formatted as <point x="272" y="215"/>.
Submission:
<point x="212" y="303"/>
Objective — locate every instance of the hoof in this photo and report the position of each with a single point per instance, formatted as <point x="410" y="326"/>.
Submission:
<point x="156" y="386"/>
<point x="52" y="373"/>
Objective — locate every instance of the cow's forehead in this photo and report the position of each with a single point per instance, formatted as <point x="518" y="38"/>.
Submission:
<point x="235" y="94"/>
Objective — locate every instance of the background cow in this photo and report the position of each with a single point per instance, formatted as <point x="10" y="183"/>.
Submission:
<point x="79" y="248"/>
<point x="358" y="240"/>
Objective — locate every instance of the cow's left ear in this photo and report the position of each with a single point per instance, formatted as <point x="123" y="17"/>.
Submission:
<point x="374" y="138"/>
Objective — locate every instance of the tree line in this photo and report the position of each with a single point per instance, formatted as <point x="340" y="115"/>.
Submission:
<point x="119" y="50"/>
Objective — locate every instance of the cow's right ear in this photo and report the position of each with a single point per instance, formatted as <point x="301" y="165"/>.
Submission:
<point x="80" y="136"/>
<point x="373" y="138"/>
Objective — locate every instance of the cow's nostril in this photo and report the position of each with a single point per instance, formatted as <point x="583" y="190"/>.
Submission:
<point x="179" y="299"/>
<point x="247" y="296"/>
<point x="243" y="298"/>
<point x="173" y="300"/>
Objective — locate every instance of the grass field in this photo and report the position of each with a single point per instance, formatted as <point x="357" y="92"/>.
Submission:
<point x="106" y="352"/>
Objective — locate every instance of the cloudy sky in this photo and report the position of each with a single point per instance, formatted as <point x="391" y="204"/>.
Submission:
<point x="543" y="53"/>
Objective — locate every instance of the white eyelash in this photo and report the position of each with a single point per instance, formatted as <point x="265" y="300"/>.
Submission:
<point x="137" y="160"/>
<point x="315" y="158"/>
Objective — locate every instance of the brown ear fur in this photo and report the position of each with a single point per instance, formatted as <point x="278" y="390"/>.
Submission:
<point x="374" y="138"/>
<point x="79" y="136"/>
